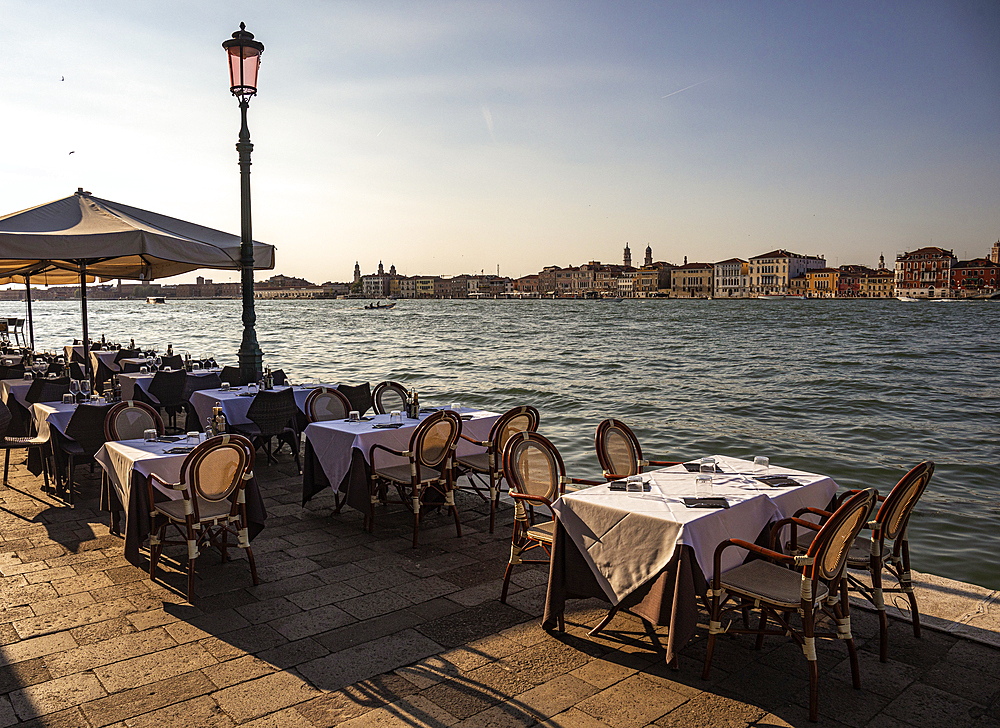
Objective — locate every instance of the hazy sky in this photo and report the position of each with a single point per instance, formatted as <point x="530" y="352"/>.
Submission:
<point x="453" y="137"/>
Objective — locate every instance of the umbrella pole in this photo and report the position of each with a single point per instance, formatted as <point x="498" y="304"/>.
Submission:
<point x="31" y="323"/>
<point x="83" y="309"/>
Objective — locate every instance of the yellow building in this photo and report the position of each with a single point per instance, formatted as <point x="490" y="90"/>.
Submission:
<point x="822" y="282"/>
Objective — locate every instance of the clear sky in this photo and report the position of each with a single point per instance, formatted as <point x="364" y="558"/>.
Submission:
<point x="454" y="137"/>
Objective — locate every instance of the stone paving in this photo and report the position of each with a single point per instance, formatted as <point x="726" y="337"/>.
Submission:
<point x="353" y="629"/>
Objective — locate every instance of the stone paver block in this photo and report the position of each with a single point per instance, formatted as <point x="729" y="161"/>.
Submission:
<point x="97" y="654"/>
<point x="555" y="696"/>
<point x="233" y="672"/>
<point x="7" y="714"/>
<point x="268" y="694"/>
<point x="478" y="653"/>
<point x="602" y="673"/>
<point x="931" y="706"/>
<point x="23" y="674"/>
<point x="384" y="654"/>
<point x="368" y="606"/>
<point x="160" y="665"/>
<point x="295" y="653"/>
<point x="55" y="695"/>
<point x="315" y="621"/>
<point x="708" y="710"/>
<point x="353" y="634"/>
<point x="543" y="662"/>
<point x="472" y="624"/>
<point x="287" y="718"/>
<point x="36" y="647"/>
<point x="201" y="712"/>
<point x="59" y="621"/>
<point x="573" y="718"/>
<point x="267" y="610"/>
<point x="331" y="709"/>
<point x="138" y="701"/>
<point x="323" y="595"/>
<point x="634" y="701"/>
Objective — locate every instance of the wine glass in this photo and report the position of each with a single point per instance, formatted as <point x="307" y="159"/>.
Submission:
<point x="74" y="387"/>
<point x="85" y="387"/>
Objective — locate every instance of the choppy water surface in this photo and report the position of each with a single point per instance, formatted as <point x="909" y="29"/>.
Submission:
<point x="859" y="390"/>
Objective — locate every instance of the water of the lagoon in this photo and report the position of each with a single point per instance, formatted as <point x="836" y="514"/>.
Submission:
<point x="859" y="390"/>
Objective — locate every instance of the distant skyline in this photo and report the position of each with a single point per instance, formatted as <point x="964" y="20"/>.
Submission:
<point x="453" y="137"/>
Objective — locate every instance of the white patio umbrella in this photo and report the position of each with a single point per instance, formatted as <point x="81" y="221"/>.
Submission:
<point x="85" y="235"/>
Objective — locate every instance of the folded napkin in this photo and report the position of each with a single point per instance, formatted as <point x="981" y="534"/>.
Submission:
<point x="386" y="425"/>
<point x="696" y="467"/>
<point x="706" y="503"/>
<point x="180" y="450"/>
<point x="778" y="481"/>
<point x="168" y="438"/>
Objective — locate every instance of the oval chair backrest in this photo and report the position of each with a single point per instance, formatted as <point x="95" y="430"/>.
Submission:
<point x="832" y="543"/>
<point x="128" y="420"/>
<point x="533" y="466"/>
<point x="324" y="404"/>
<point x="216" y="468"/>
<point x="511" y="422"/>
<point x="388" y="396"/>
<point x="434" y="439"/>
<point x="618" y="448"/>
<point x="898" y="505"/>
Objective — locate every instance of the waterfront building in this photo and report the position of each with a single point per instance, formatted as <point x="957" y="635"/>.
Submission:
<point x="692" y="280"/>
<point x="771" y="272"/>
<point x="627" y="258"/>
<point x="924" y="273"/>
<point x="878" y="284"/>
<point x="799" y="286"/>
<point x="527" y="285"/>
<point x="731" y="278"/>
<point x="649" y="257"/>
<point x="995" y="253"/>
<point x="822" y="282"/>
<point x="975" y="276"/>
<point x="357" y="271"/>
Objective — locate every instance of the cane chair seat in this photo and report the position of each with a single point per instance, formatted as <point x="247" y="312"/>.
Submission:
<point x="768" y="582"/>
<point x="208" y="510"/>
<point x="401" y="474"/>
<point x="544" y="532"/>
<point x="478" y="462"/>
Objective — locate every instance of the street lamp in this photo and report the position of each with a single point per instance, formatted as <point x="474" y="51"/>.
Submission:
<point x="244" y="62"/>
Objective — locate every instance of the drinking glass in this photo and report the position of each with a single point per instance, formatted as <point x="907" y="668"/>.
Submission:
<point x="252" y="389"/>
<point x="456" y="406"/>
<point x="159" y="362"/>
<point x="28" y="376"/>
<point x="703" y="485"/>
<point x="761" y="464"/>
<point x="707" y="466"/>
<point x="143" y="370"/>
<point x="95" y="398"/>
<point x="396" y="417"/>
<point x="68" y="398"/>
<point x="354" y="416"/>
<point x="195" y="366"/>
<point x="225" y="387"/>
<point x="149" y="435"/>
<point x="633" y="484"/>
<point x="85" y="386"/>
<point x="193" y="437"/>
<point x="74" y="387"/>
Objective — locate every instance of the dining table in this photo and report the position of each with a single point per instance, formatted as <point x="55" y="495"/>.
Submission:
<point x="128" y="465"/>
<point x="337" y="451"/>
<point x="651" y="552"/>
<point x="130" y="381"/>
<point x="13" y="393"/>
<point x="235" y="401"/>
<point x="107" y="356"/>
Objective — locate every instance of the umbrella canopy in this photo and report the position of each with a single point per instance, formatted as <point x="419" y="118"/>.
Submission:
<point x="85" y="235"/>
<point x="115" y="241"/>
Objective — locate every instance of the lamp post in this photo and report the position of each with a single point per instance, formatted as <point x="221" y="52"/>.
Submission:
<point x="244" y="61"/>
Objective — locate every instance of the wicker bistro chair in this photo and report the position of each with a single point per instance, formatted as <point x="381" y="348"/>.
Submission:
<point x="84" y="437"/>
<point x="129" y="419"/>
<point x="14" y="371"/>
<point x="887" y="549"/>
<point x="168" y="388"/>
<point x="488" y="464"/>
<point x="174" y="362"/>
<point x="16" y="443"/>
<point x="231" y="375"/>
<point x="388" y="396"/>
<point x="212" y="505"/>
<point x="536" y="475"/>
<point x="813" y="585"/>
<point x="619" y="452"/>
<point x="325" y="404"/>
<point x="272" y="414"/>
<point x="428" y="475"/>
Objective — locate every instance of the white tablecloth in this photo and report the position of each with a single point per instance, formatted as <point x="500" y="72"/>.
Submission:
<point x="235" y="402"/>
<point x="68" y="352"/>
<point x="108" y="357"/>
<point x="16" y="388"/>
<point x="14" y="359"/>
<point x="131" y="380"/>
<point x="120" y="458"/>
<point x="334" y="441"/>
<point x="54" y="414"/>
<point x="627" y="538"/>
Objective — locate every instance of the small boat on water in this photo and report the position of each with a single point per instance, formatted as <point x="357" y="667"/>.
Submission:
<point x="156" y="299"/>
<point x="379" y="306"/>
<point x="907" y="299"/>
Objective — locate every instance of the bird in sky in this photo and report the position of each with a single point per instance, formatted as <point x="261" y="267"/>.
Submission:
<point x="63" y="78"/>
<point x="73" y="152"/>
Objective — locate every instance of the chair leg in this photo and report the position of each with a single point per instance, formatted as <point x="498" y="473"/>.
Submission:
<point x="506" y="583"/>
<point x="715" y="612"/>
<point x="6" y="467"/>
<point x="810" y="649"/>
<point x="192" y="542"/>
<point x="604" y="622"/>
<point x="842" y="611"/>
<point x="907" y="586"/>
